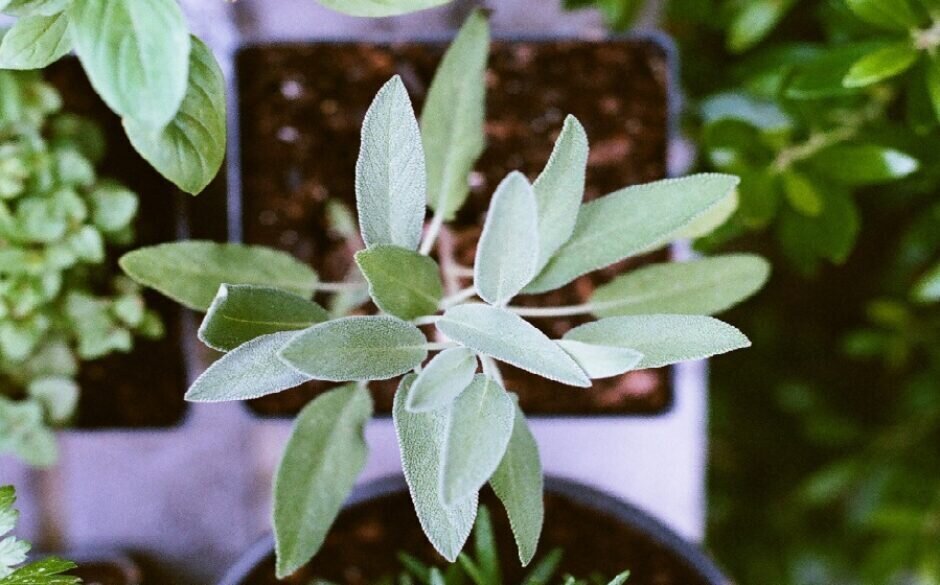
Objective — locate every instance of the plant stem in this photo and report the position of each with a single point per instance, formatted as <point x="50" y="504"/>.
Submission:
<point x="433" y="230"/>
<point x="445" y="255"/>
<point x="458" y="297"/>
<point x="491" y="369"/>
<point x="564" y="311"/>
<point x="439" y="345"/>
<point x="428" y="320"/>
<point x="336" y="287"/>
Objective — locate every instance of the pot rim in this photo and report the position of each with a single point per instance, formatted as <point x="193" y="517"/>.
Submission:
<point x="686" y="552"/>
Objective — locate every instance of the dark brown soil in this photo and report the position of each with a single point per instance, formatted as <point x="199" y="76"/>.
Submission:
<point x="145" y="387"/>
<point x="363" y="545"/>
<point x="301" y="111"/>
<point x="103" y="573"/>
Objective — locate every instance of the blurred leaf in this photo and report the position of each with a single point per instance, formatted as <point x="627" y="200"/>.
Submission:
<point x="829" y="235"/>
<point x="762" y="114"/>
<point x="754" y="22"/>
<point x="378" y="8"/>
<point x="927" y="288"/>
<point x="887" y="14"/>
<point x="863" y="164"/>
<point x="822" y="77"/>
<point x="801" y="193"/>
<point x="881" y="64"/>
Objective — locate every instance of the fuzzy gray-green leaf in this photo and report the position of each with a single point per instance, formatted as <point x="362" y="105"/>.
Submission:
<point x="442" y="379"/>
<point x="325" y="453"/>
<point x="192" y="272"/>
<point x="136" y="55"/>
<point x="189" y="150"/>
<point x="478" y="432"/>
<point x="421" y="439"/>
<point x="560" y="189"/>
<point x="505" y="336"/>
<point x="250" y="370"/>
<point x="631" y="221"/>
<point x="663" y="339"/>
<point x="35" y="42"/>
<point x="518" y="484"/>
<point x="357" y="348"/>
<point x="379" y="8"/>
<point x="453" y="116"/>
<point x="390" y="175"/>
<point x="508" y="251"/>
<point x="601" y="361"/>
<point x="699" y="287"/>
<point x="401" y="282"/>
<point x="240" y="313"/>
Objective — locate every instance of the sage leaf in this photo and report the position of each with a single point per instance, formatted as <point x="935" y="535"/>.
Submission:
<point x="712" y="219"/>
<point x="503" y="335"/>
<point x="630" y="221"/>
<point x="192" y="272"/>
<point x="442" y="380"/>
<point x="35" y="41"/>
<point x="601" y="361"/>
<point x="357" y="348"/>
<point x="421" y="439"/>
<point x="508" y="251"/>
<point x="560" y="189"/>
<point x="453" y="116"/>
<point x="250" y="370"/>
<point x="698" y="287"/>
<point x="863" y="164"/>
<point x="401" y="281"/>
<point x="478" y="432"/>
<point x="241" y="312"/>
<point x="882" y="64"/>
<point x="21" y="8"/>
<point x="390" y="173"/>
<point x="894" y="15"/>
<point x="324" y="455"/>
<point x="377" y="8"/>
<point x="136" y="55"/>
<point x="663" y="339"/>
<point x="189" y="150"/>
<point x="518" y="483"/>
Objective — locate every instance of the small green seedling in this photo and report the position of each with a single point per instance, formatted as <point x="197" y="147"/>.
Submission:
<point x="13" y="567"/>
<point x="56" y="219"/>
<point x="458" y="427"/>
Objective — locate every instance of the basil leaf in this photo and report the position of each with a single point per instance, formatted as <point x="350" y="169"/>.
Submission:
<point x="35" y="41"/>
<point x="190" y="149"/>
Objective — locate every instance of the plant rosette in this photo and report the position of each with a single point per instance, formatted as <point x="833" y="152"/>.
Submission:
<point x="458" y="427"/>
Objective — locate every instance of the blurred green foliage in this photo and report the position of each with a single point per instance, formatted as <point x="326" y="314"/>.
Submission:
<point x="60" y="303"/>
<point x="826" y="434"/>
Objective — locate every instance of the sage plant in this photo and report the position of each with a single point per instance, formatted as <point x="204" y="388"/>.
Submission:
<point x="459" y="428"/>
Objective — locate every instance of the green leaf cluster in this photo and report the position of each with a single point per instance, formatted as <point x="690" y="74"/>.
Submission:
<point x="142" y="61"/>
<point x="14" y="570"/>
<point x="57" y="218"/>
<point x="458" y="426"/>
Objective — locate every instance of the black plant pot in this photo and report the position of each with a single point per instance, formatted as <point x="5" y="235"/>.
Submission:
<point x="598" y="534"/>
